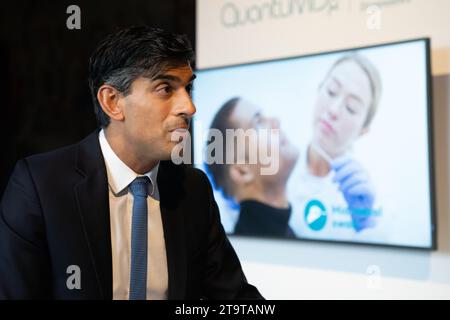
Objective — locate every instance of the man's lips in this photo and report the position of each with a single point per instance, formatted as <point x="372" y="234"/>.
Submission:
<point x="181" y="128"/>
<point x="179" y="133"/>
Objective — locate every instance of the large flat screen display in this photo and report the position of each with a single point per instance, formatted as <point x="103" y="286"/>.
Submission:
<point x="334" y="146"/>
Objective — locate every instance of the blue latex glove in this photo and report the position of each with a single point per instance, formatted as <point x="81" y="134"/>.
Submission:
<point x="359" y="193"/>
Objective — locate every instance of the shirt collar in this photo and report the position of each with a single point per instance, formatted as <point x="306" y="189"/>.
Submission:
<point x="119" y="174"/>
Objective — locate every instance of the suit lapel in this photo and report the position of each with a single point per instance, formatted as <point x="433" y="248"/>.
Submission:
<point x="170" y="178"/>
<point x="93" y="204"/>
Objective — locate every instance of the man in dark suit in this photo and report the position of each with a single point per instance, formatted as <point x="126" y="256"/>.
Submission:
<point x="112" y="217"/>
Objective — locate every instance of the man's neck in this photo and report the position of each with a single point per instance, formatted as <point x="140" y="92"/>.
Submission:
<point x="128" y="155"/>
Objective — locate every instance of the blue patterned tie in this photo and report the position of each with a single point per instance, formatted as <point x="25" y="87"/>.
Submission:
<point x="138" y="272"/>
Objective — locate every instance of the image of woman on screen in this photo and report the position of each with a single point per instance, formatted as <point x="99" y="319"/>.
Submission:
<point x="264" y="209"/>
<point x="332" y="193"/>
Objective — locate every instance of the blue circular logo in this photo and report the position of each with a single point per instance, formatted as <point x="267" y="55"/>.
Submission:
<point x="315" y="215"/>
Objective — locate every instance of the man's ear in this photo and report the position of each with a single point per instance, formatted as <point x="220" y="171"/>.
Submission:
<point x="108" y="97"/>
<point x="241" y="174"/>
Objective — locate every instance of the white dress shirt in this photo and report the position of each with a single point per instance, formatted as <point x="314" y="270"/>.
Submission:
<point x="120" y="208"/>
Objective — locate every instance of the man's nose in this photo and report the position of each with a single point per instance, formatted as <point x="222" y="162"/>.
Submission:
<point x="186" y="105"/>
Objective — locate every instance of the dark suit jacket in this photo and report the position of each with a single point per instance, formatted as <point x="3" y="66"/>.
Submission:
<point x="55" y="213"/>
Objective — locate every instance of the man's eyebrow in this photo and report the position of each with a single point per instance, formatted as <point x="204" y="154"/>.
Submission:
<point x="169" y="77"/>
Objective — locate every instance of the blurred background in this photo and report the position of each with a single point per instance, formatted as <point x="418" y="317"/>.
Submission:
<point x="46" y="104"/>
<point x="45" y="96"/>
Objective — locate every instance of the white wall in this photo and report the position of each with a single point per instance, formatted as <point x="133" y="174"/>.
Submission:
<point x="313" y="270"/>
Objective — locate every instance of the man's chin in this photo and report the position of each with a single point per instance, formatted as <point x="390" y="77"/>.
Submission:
<point x="177" y="153"/>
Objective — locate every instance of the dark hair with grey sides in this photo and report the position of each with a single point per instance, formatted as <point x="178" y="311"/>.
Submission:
<point x="135" y="52"/>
